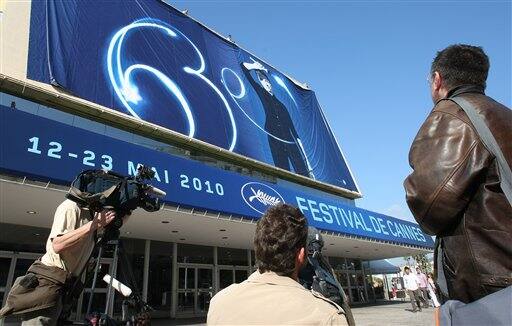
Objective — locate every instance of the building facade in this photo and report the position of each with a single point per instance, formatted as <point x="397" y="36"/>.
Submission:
<point x="201" y="240"/>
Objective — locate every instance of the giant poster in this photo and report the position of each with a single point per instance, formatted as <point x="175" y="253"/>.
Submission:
<point x="150" y="61"/>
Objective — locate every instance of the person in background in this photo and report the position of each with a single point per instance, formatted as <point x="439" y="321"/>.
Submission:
<point x="393" y="289"/>
<point x="432" y="290"/>
<point x="423" y="284"/>
<point x="411" y="283"/>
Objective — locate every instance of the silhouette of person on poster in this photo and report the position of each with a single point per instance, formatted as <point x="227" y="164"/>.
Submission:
<point x="285" y="144"/>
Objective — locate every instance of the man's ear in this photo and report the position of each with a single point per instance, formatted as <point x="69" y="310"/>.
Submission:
<point x="437" y="82"/>
<point x="301" y="256"/>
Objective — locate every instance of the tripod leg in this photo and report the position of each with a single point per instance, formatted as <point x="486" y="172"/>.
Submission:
<point x="110" y="291"/>
<point x="96" y="269"/>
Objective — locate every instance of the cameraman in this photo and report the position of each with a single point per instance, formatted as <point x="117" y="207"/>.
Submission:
<point x="38" y="296"/>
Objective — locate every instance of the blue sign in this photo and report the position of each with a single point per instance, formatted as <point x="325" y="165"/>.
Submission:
<point x="46" y="149"/>
<point x="148" y="60"/>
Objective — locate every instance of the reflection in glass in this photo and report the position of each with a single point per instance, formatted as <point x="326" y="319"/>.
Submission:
<point x="240" y="276"/>
<point x="352" y="279"/>
<point x="342" y="278"/>
<point x="186" y="278"/>
<point x="337" y="263"/>
<point x="188" y="253"/>
<point x="5" y="264"/>
<point x="230" y="256"/>
<point x="204" y="280"/>
<point x="354" y="264"/>
<point x="203" y="301"/>
<point x="160" y="278"/>
<point x="355" y="295"/>
<point x="253" y="259"/>
<point x="360" y="280"/>
<point x="225" y="278"/>
<point x="186" y="302"/>
<point x="98" y="302"/>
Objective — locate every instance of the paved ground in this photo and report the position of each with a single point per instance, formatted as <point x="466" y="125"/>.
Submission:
<point x="395" y="314"/>
<point x="390" y="313"/>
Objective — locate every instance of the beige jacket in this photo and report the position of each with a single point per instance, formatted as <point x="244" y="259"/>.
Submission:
<point x="270" y="299"/>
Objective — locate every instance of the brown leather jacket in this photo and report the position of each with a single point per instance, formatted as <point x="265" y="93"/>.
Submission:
<point x="454" y="193"/>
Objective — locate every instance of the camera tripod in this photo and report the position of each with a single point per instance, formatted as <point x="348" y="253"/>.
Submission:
<point x="133" y="304"/>
<point x="102" y="244"/>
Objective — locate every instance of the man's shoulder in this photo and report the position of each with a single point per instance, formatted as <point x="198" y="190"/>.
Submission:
<point x="450" y="108"/>
<point x="68" y="205"/>
<point x="489" y="108"/>
<point x="227" y="292"/>
<point x="313" y="306"/>
<point x="294" y="295"/>
<point x="328" y="304"/>
<point x="69" y="211"/>
<point x="306" y="306"/>
<point x="231" y="294"/>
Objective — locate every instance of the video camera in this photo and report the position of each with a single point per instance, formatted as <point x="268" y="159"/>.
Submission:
<point x="102" y="189"/>
<point x="318" y="274"/>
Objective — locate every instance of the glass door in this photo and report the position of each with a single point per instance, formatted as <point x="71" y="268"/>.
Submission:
<point x="5" y="266"/>
<point x="226" y="277"/>
<point x="186" y="290"/>
<point x="232" y="274"/>
<point x="204" y="289"/>
<point x="195" y="289"/>
<point x="357" y="287"/>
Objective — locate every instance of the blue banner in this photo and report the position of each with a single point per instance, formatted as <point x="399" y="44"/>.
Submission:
<point x="49" y="150"/>
<point x="148" y="60"/>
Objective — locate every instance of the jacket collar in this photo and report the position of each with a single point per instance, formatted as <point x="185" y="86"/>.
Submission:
<point x="465" y="89"/>
<point x="273" y="279"/>
<point x="462" y="89"/>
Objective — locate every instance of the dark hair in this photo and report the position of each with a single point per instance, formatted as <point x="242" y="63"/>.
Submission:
<point x="280" y="233"/>
<point x="406" y="268"/>
<point x="461" y="64"/>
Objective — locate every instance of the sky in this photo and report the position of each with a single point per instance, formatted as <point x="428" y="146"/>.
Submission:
<point x="368" y="62"/>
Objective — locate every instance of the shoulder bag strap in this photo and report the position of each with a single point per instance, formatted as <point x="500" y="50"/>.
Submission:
<point x="489" y="142"/>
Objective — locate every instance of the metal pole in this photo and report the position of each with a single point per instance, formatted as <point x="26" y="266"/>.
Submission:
<point x="174" y="288"/>
<point x="94" y="280"/>
<point x="365" y="282"/>
<point x="110" y="292"/>
<point x="145" y="277"/>
<point x="215" y="277"/>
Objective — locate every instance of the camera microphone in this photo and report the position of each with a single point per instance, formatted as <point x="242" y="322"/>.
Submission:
<point x="156" y="191"/>
<point x="120" y="287"/>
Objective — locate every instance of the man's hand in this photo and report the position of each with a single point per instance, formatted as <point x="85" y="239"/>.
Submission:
<point x="64" y="242"/>
<point x="255" y="65"/>
<point x="103" y="218"/>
